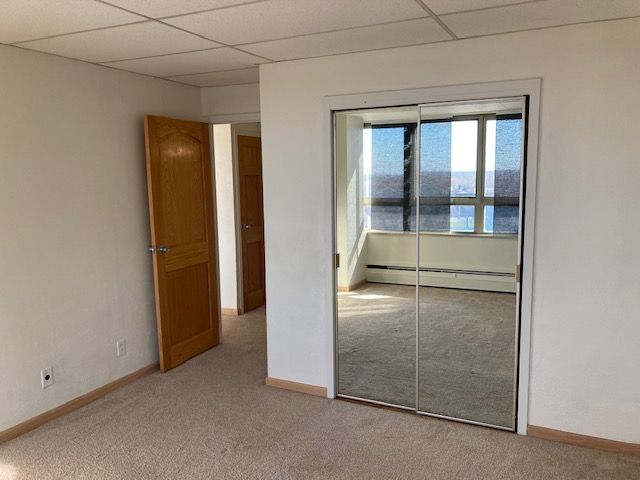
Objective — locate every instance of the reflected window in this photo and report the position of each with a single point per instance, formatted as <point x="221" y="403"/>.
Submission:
<point x="462" y="218"/>
<point x="503" y="147"/>
<point x="468" y="182"/>
<point x="464" y="158"/>
<point x="391" y="183"/>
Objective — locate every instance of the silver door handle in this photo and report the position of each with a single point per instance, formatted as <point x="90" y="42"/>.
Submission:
<point x="163" y="249"/>
<point x="246" y="226"/>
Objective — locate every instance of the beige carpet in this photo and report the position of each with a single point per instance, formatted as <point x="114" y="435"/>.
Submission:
<point x="213" y="418"/>
<point x="467" y="356"/>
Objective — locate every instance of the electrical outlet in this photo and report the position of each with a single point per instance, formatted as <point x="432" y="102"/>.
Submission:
<point x="46" y="377"/>
<point x="121" y="347"/>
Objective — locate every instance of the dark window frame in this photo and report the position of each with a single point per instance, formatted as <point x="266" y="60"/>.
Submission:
<point x="479" y="201"/>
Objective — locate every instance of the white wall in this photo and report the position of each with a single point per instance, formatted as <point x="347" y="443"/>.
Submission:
<point x="482" y="253"/>
<point x="351" y="234"/>
<point x="75" y="271"/>
<point x="226" y="214"/>
<point x="585" y="333"/>
<point x="225" y="145"/>
<point x="232" y="103"/>
<point x="478" y="253"/>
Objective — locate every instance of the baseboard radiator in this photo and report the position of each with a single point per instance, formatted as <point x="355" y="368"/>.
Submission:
<point x="443" y="277"/>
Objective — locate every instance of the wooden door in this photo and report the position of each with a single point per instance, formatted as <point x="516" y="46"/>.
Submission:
<point x="183" y="246"/>
<point x="251" y="221"/>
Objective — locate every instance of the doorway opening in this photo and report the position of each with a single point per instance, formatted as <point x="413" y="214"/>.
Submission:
<point x="238" y="180"/>
<point x="429" y="217"/>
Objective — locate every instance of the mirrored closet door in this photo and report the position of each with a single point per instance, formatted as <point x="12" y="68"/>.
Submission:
<point x="428" y="213"/>
<point x="375" y="207"/>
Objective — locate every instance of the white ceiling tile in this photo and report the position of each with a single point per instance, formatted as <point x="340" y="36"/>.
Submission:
<point x="22" y="20"/>
<point x="547" y="13"/>
<point x="410" y="32"/>
<point x="285" y="18"/>
<point x="217" y="79"/>
<point x="165" y="8"/>
<point x="447" y="6"/>
<point x="188" y="63"/>
<point x="119" y="43"/>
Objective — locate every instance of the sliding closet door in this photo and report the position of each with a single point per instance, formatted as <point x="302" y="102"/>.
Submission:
<point x="376" y="244"/>
<point x="470" y="162"/>
<point x="427" y="236"/>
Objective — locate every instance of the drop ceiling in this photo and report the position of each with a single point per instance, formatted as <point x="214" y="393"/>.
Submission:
<point x="221" y="42"/>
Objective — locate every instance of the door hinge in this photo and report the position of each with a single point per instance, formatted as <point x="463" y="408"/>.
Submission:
<point x="518" y="273"/>
<point x="337" y="260"/>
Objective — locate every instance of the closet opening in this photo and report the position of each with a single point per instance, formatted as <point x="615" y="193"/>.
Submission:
<point x="429" y="214"/>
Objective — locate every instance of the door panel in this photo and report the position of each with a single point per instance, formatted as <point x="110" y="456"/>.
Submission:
<point x="188" y="290"/>
<point x="375" y="316"/>
<point x="182" y="190"/>
<point x="467" y="332"/>
<point x="251" y="217"/>
<point x="253" y="253"/>
<point x="182" y="234"/>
